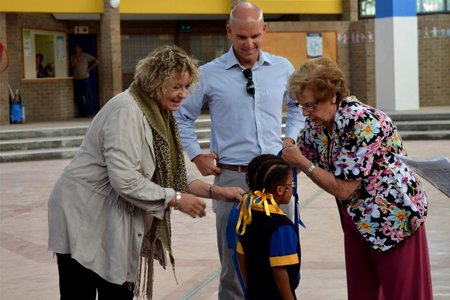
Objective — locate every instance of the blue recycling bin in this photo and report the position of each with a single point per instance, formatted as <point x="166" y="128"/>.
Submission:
<point x="16" y="113"/>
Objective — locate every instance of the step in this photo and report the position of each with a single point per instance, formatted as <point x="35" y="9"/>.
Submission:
<point x="425" y="134"/>
<point x="422" y="115"/>
<point x="41" y="143"/>
<point x="204" y="143"/>
<point x="30" y="155"/>
<point x="423" y="125"/>
<point x="27" y="133"/>
<point x="203" y="133"/>
<point x="202" y="123"/>
<point x="62" y="142"/>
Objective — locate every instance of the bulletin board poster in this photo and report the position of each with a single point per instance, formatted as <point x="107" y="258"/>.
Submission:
<point x="26" y="43"/>
<point x="314" y="45"/>
<point x="299" y="46"/>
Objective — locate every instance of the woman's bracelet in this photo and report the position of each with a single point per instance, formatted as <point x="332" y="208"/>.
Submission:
<point x="210" y="190"/>
<point x="309" y="171"/>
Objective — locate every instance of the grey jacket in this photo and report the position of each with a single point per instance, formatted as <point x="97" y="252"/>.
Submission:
<point x="95" y="211"/>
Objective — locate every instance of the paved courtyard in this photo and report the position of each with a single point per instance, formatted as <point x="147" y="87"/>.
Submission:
<point x="28" y="271"/>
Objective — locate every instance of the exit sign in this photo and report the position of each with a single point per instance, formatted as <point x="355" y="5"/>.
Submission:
<point x="82" y="29"/>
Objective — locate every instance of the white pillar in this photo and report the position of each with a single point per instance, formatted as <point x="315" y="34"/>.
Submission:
<point x="396" y="55"/>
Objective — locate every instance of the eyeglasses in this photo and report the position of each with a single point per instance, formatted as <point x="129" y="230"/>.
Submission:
<point x="289" y="185"/>
<point x="250" y="84"/>
<point x="310" y="107"/>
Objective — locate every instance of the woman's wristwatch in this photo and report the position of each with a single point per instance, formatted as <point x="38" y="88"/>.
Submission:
<point x="309" y="171"/>
<point x="177" y="200"/>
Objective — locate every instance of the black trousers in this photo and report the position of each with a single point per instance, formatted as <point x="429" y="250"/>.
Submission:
<point x="79" y="283"/>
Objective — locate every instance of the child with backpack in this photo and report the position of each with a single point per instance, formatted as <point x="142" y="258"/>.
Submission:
<point x="268" y="248"/>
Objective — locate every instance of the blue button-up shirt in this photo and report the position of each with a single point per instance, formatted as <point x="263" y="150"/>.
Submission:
<point x="242" y="126"/>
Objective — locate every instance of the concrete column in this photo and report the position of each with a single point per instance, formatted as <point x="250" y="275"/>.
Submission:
<point x="4" y="93"/>
<point x="110" y="53"/>
<point x="396" y="55"/>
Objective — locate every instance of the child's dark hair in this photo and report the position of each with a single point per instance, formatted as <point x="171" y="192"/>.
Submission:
<point x="267" y="171"/>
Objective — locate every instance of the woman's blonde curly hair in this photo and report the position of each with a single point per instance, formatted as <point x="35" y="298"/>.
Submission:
<point x="161" y="65"/>
<point x="322" y="76"/>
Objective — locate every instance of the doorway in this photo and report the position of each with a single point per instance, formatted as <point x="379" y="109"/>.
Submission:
<point x="88" y="43"/>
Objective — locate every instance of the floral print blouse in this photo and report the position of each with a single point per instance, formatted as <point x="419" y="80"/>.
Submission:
<point x="390" y="204"/>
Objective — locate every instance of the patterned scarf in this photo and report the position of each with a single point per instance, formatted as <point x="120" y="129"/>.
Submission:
<point x="170" y="172"/>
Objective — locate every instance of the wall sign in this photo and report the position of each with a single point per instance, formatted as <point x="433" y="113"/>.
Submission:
<point x="314" y="45"/>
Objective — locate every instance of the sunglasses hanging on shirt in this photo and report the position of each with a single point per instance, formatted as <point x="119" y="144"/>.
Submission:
<point x="250" y="84"/>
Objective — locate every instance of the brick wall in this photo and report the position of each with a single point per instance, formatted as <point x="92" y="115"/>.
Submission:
<point x="434" y="59"/>
<point x="44" y="99"/>
<point x="47" y="99"/>
<point x="361" y="41"/>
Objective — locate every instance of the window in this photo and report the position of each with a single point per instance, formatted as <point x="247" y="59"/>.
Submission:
<point x="367" y="7"/>
<point x="44" y="54"/>
<point x="429" y="6"/>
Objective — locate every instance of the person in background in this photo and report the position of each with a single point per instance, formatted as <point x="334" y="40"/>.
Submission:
<point x="268" y="248"/>
<point x="82" y="63"/>
<point x="109" y="212"/>
<point x="50" y="69"/>
<point x="349" y="149"/>
<point x="244" y="90"/>
<point x="41" y="72"/>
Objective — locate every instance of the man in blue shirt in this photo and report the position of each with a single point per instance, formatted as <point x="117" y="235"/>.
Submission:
<point x="244" y="89"/>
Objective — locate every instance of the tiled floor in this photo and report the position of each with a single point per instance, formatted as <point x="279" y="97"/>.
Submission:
<point x="28" y="271"/>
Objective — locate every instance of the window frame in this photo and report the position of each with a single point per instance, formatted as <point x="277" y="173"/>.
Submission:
<point x="55" y="52"/>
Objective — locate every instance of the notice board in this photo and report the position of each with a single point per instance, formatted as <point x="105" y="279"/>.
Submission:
<point x="293" y="45"/>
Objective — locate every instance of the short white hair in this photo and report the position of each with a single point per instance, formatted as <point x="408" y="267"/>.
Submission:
<point x="245" y="4"/>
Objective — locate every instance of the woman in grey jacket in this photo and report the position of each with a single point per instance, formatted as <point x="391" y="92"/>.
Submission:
<point x="109" y="212"/>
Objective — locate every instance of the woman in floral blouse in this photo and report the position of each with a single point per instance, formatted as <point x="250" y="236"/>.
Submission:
<point x="348" y="149"/>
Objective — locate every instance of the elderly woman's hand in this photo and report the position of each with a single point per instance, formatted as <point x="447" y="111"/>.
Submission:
<point x="191" y="205"/>
<point x="227" y="194"/>
<point x="292" y="155"/>
<point x="288" y="141"/>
